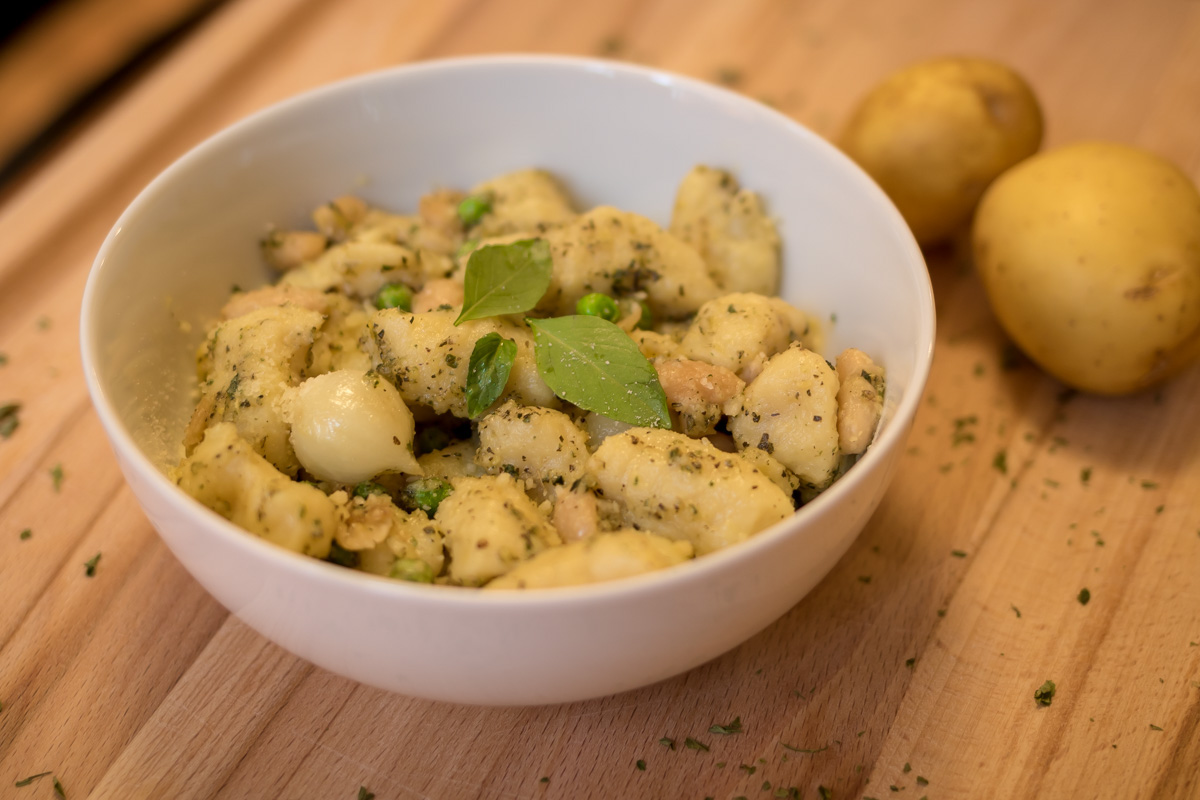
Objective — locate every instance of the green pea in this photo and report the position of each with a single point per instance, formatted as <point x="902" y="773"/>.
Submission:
<point x="341" y="556"/>
<point x="599" y="305"/>
<point x="411" y="569"/>
<point x="429" y="439"/>
<point x="425" y="494"/>
<point x="394" y="295"/>
<point x="367" y="488"/>
<point x="647" y="320"/>
<point x="472" y="209"/>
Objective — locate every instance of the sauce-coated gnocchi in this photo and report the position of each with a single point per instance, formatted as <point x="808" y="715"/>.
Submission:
<point x="364" y="410"/>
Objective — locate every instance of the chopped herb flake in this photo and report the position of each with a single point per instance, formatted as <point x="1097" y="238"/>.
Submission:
<point x="922" y="781"/>
<point x="750" y="770"/>
<point x="1084" y="596"/>
<point x="1045" y="693"/>
<point x="693" y="744"/>
<point x="1085" y="475"/>
<point x="864" y="578"/>
<point x="543" y="779"/>
<point x="824" y="794"/>
<point x="363" y="794"/>
<point x="959" y="553"/>
<point x="1154" y="727"/>
<point x="726" y="730"/>
<point x="804" y="750"/>
<point x="9" y="419"/>
<point x="56" y="475"/>
<point x="907" y="768"/>
<point x="667" y="743"/>
<point x="1016" y="610"/>
<point x="1000" y="462"/>
<point x="30" y="779"/>
<point x="730" y="76"/>
<point x="910" y="662"/>
<point x="25" y="534"/>
<point x="1149" y="485"/>
<point x="90" y="565"/>
<point x="641" y="765"/>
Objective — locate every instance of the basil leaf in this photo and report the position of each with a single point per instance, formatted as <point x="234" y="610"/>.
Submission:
<point x="487" y="372"/>
<point x="505" y="279"/>
<point x="594" y="364"/>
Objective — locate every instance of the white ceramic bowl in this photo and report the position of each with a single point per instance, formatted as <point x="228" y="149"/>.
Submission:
<point x="616" y="134"/>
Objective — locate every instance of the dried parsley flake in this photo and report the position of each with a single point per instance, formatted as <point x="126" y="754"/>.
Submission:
<point x="1045" y="693"/>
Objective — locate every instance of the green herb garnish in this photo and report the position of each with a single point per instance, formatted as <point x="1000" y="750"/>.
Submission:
<point x="25" y="534"/>
<point x="959" y="553"/>
<point x="56" y="474"/>
<point x="363" y="794"/>
<point x="1084" y="596"/>
<point x="90" y="565"/>
<point x="1045" y="693"/>
<point x="1016" y="610"/>
<point x="727" y="730"/>
<point x="488" y="371"/>
<point x="641" y="764"/>
<point x="795" y="749"/>
<point x="9" y="419"/>
<point x="1154" y="727"/>
<point x="693" y="744"/>
<point x="667" y="743"/>
<point x="593" y="364"/>
<point x="1000" y="462"/>
<point x="505" y="279"/>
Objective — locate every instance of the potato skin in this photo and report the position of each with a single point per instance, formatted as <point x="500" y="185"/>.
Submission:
<point x="934" y="135"/>
<point x="1090" y="255"/>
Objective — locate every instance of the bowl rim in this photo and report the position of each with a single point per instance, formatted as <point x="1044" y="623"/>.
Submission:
<point x="646" y="584"/>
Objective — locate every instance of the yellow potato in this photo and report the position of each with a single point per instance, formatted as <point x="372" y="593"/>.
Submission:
<point x="1090" y="255"/>
<point x="935" y="134"/>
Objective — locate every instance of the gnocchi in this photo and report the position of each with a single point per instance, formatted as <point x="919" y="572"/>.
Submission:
<point x="362" y="409"/>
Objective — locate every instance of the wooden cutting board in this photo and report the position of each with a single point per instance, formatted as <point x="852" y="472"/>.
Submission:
<point x="910" y="671"/>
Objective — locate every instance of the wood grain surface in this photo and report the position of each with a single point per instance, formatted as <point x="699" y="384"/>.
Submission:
<point x="909" y="671"/>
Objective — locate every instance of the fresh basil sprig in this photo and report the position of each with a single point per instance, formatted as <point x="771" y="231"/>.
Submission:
<point x="505" y="279"/>
<point x="487" y="372"/>
<point x="590" y="362"/>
